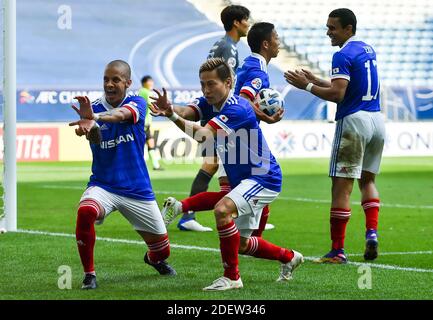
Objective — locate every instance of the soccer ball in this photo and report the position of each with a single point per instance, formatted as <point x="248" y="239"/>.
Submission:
<point x="269" y="101"/>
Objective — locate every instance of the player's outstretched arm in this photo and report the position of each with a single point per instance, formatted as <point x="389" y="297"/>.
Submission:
<point x="316" y="80"/>
<point x="164" y="107"/>
<point x="334" y="93"/>
<point x="89" y="128"/>
<point x="185" y="112"/>
<point x="114" y="115"/>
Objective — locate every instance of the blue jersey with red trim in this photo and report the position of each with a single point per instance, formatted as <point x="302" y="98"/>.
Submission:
<point x="252" y="76"/>
<point x="118" y="161"/>
<point x="203" y="110"/>
<point x="356" y="62"/>
<point x="242" y="147"/>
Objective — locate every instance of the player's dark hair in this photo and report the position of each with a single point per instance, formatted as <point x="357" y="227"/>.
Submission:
<point x="122" y="64"/>
<point x="223" y="69"/>
<point x="145" y="79"/>
<point x="346" y="17"/>
<point x="258" y="33"/>
<point x="233" y="13"/>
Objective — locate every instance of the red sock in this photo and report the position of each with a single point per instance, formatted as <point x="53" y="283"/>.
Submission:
<point x="225" y="187"/>
<point x="85" y="232"/>
<point x="205" y="200"/>
<point x="262" y="225"/>
<point x="202" y="201"/>
<point x="260" y="248"/>
<point x="371" y="209"/>
<point x="229" y="245"/>
<point x="159" y="250"/>
<point x="339" y="219"/>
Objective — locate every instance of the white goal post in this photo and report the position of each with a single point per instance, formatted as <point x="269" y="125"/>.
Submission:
<point x="9" y="221"/>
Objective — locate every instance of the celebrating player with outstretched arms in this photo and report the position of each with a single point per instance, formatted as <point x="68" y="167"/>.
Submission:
<point x="119" y="180"/>
<point x="253" y="172"/>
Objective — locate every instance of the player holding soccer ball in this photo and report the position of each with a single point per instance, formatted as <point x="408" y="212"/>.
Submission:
<point x="252" y="77"/>
<point x="360" y="132"/>
<point x="269" y="101"/>
<point x="235" y="19"/>
<point x="114" y="124"/>
<point x="253" y="172"/>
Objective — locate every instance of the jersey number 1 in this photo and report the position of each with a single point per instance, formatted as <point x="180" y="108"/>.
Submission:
<point x="368" y="96"/>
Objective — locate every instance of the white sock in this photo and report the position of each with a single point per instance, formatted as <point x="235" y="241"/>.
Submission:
<point x="153" y="157"/>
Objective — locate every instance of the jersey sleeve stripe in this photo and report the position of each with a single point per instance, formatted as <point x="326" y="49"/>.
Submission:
<point x="249" y="92"/>
<point x="340" y="76"/>
<point x="197" y="111"/>
<point x="213" y="125"/>
<point x="217" y="124"/>
<point x="134" y="111"/>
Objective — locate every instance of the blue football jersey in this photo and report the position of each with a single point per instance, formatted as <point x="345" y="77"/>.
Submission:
<point x="242" y="147"/>
<point x="118" y="161"/>
<point x="252" y="76"/>
<point x="356" y="62"/>
<point x="203" y="110"/>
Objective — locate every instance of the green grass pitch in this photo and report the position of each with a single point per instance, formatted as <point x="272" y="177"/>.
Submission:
<point x="48" y="195"/>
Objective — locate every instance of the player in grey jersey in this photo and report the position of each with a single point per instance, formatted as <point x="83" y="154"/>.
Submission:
<point x="235" y="20"/>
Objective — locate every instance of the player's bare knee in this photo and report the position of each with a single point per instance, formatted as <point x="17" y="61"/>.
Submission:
<point x="151" y="237"/>
<point x="367" y="179"/>
<point x="243" y="245"/>
<point x="342" y="188"/>
<point x="222" y="214"/>
<point x="223" y="180"/>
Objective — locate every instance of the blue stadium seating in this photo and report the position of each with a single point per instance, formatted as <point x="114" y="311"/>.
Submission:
<point x="401" y="32"/>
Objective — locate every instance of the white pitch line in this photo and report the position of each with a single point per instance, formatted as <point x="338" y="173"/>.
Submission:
<point x="137" y="242"/>
<point x="380" y="266"/>
<point x="374" y="265"/>
<point x="395" y="205"/>
<point x="392" y="253"/>
<point x="298" y="199"/>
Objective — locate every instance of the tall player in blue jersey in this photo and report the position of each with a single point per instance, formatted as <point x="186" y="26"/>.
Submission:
<point x="253" y="172"/>
<point x="360" y="132"/>
<point x="119" y="180"/>
<point x="252" y="76"/>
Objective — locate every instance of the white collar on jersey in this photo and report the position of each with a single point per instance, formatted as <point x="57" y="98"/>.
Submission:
<point x="261" y="59"/>
<point x="109" y="106"/>
<point x="352" y="38"/>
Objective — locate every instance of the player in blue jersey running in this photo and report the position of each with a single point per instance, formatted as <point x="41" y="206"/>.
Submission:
<point x="360" y="131"/>
<point x="119" y="180"/>
<point x="253" y="172"/>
